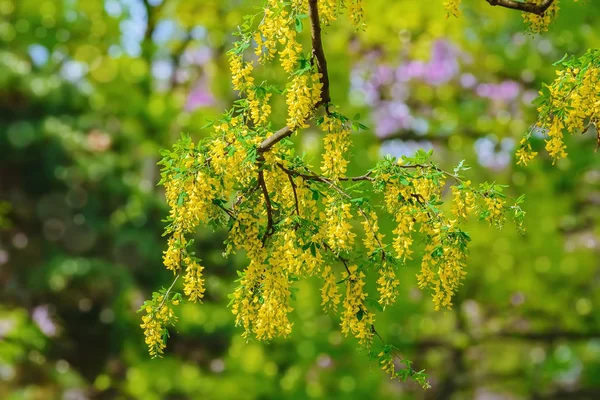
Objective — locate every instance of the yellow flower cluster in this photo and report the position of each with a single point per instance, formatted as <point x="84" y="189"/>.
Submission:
<point x="272" y="316"/>
<point x="407" y="203"/>
<point x="464" y="200"/>
<point x="356" y="12"/>
<point x="576" y="93"/>
<point x="495" y="207"/>
<point x="276" y="27"/>
<point x="356" y="318"/>
<point x="303" y="94"/>
<point x="328" y="10"/>
<point x="336" y="144"/>
<point x="330" y="296"/>
<point x="387" y="283"/>
<point x="540" y="23"/>
<point x="175" y="248"/>
<point x="155" y="324"/>
<point x="444" y="252"/>
<point x="241" y="72"/>
<point x="271" y="27"/>
<point x="525" y="153"/>
<point x="260" y="110"/>
<point x="189" y="199"/>
<point x="247" y="296"/>
<point x="338" y="230"/>
<point x="373" y="239"/>
<point x="555" y="145"/>
<point x="193" y="281"/>
<point x="452" y="8"/>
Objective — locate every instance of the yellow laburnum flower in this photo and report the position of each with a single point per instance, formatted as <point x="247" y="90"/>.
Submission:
<point x="495" y="208"/>
<point x="272" y="315"/>
<point x="464" y="200"/>
<point x="451" y="7"/>
<point x="303" y="94"/>
<point x="355" y="11"/>
<point x="387" y="283"/>
<point x="338" y="230"/>
<point x="193" y="286"/>
<point x="328" y="10"/>
<point x="356" y="318"/>
<point x="172" y="257"/>
<point x="246" y="298"/>
<point x="330" y="296"/>
<point x="241" y="73"/>
<point x="540" y="23"/>
<point x="525" y="154"/>
<point x="289" y="55"/>
<point x="154" y="324"/>
<point x="336" y="144"/>
<point x="260" y="110"/>
<point x="372" y="239"/>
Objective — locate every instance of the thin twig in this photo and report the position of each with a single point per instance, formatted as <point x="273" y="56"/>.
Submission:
<point x="319" y="56"/>
<point x="295" y="194"/>
<point x="166" y="295"/>
<point x="263" y="185"/>
<point x="318" y="178"/>
<point x="538" y="9"/>
<point x="317" y="50"/>
<point x="227" y="211"/>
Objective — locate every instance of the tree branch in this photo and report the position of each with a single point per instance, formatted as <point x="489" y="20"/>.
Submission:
<point x="318" y="55"/>
<point x="263" y="185"/>
<point x="317" y="50"/>
<point x="291" y="178"/>
<point x="538" y="9"/>
<point x="332" y="184"/>
<point x="274" y="139"/>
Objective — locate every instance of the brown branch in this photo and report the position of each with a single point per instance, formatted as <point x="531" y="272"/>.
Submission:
<point x="538" y="9"/>
<point x="291" y="178"/>
<point x="317" y="50"/>
<point x="226" y="210"/>
<point x="318" y="178"/>
<point x="275" y="138"/>
<point x="263" y="185"/>
<point x="342" y="259"/>
<point x="321" y="61"/>
<point x="411" y="135"/>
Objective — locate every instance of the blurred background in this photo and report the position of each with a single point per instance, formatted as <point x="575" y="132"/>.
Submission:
<point x="91" y="90"/>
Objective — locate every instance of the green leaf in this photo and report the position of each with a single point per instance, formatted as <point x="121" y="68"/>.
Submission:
<point x="298" y="23"/>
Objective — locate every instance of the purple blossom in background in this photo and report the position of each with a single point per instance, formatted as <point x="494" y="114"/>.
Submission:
<point x="200" y="96"/>
<point x="468" y="81"/>
<point x="41" y="316"/>
<point x="199" y="56"/>
<point x="441" y="68"/>
<point x="492" y="154"/>
<point x="506" y="91"/>
<point x="386" y="88"/>
<point x="398" y="148"/>
<point x="390" y="117"/>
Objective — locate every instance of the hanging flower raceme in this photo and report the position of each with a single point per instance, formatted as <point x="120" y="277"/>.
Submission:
<point x="452" y="8"/>
<point x="336" y="144"/>
<point x="292" y="223"/>
<point x="303" y="94"/>
<point x="570" y="104"/>
<point x="540" y="23"/>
